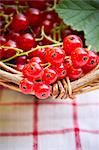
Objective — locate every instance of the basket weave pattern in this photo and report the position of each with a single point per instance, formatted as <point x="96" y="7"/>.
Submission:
<point x="10" y="78"/>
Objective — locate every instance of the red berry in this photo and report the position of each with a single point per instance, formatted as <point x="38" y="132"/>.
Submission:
<point x="33" y="71"/>
<point x="38" y="53"/>
<point x="55" y="55"/>
<point x="19" y="23"/>
<point x="34" y="16"/>
<point x="1" y="53"/>
<point x="10" y="52"/>
<point x="61" y="71"/>
<point x="74" y="73"/>
<point x="19" y="67"/>
<point x="39" y="4"/>
<point x="42" y="91"/>
<point x="79" y="57"/>
<point x="27" y="41"/>
<point x="71" y="42"/>
<point x="50" y="15"/>
<point x="36" y="59"/>
<point x="21" y="60"/>
<point x="47" y="26"/>
<point x="26" y="86"/>
<point x="13" y="36"/>
<point x="49" y="76"/>
<point x="92" y="62"/>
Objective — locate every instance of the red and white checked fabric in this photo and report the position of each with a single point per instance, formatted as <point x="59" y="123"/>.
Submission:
<point x="49" y="124"/>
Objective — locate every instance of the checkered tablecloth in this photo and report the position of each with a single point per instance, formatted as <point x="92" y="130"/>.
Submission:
<point x="49" y="124"/>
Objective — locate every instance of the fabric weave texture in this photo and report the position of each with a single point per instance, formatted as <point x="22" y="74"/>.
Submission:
<point x="26" y="124"/>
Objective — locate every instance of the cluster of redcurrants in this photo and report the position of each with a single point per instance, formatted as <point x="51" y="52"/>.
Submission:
<point x="26" y="19"/>
<point x="55" y="63"/>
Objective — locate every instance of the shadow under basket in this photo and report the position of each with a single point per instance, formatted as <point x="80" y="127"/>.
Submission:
<point x="62" y="89"/>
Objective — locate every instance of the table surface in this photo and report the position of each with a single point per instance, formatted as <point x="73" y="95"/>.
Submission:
<point x="49" y="124"/>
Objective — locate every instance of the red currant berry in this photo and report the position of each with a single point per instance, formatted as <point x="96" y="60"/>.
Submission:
<point x="13" y="36"/>
<point x="48" y="25"/>
<point x="19" y="67"/>
<point x="51" y="15"/>
<point x="10" y="52"/>
<point x="74" y="73"/>
<point x="21" y="60"/>
<point x="33" y="71"/>
<point x="55" y="55"/>
<point x="49" y="76"/>
<point x="71" y="42"/>
<point x="1" y="53"/>
<point x="27" y="41"/>
<point x="79" y="57"/>
<point x="19" y="23"/>
<point x="41" y="90"/>
<point x="26" y="86"/>
<point x="39" y="4"/>
<point x="36" y="59"/>
<point x="92" y="62"/>
<point x="34" y="16"/>
<point x="61" y="71"/>
<point x="38" y="53"/>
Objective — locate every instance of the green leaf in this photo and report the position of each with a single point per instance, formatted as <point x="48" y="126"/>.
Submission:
<point x="82" y="15"/>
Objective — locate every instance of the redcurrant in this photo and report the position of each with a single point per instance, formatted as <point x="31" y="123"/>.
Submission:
<point x="1" y="53"/>
<point x="55" y="55"/>
<point x="92" y="62"/>
<point x="27" y="41"/>
<point x="21" y="60"/>
<point x="33" y="71"/>
<point x="74" y="73"/>
<point x="34" y="16"/>
<point x="79" y="57"/>
<point x="71" y="42"/>
<point x="19" y="23"/>
<point x="42" y="91"/>
<point x="26" y="86"/>
<point x="61" y="71"/>
<point x="36" y="59"/>
<point x="9" y="52"/>
<point x="49" y="76"/>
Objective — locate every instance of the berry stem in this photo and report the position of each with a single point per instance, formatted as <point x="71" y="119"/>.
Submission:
<point x="8" y="47"/>
<point x="46" y="65"/>
<point x="53" y="7"/>
<point x="8" y="59"/>
<point x="44" y="35"/>
<point x="7" y="21"/>
<point x="34" y="49"/>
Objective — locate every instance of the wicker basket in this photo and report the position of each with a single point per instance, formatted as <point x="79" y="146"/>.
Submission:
<point x="10" y="78"/>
